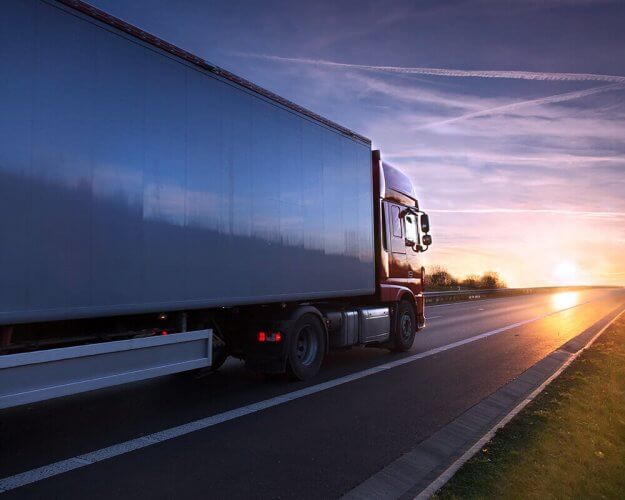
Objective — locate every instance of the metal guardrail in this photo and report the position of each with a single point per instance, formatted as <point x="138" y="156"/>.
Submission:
<point x="476" y="294"/>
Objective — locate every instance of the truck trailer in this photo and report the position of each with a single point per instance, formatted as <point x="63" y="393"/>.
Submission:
<point x="159" y="214"/>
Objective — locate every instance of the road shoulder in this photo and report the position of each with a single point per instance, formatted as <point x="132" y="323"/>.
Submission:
<point x="568" y="442"/>
<point x="427" y="467"/>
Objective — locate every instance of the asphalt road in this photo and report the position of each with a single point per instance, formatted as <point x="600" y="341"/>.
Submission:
<point x="319" y="445"/>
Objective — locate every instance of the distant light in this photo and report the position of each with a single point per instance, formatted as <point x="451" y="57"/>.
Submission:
<point x="564" y="300"/>
<point x="262" y="336"/>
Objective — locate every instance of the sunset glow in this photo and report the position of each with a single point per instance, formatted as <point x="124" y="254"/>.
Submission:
<point x="566" y="273"/>
<point x="564" y="300"/>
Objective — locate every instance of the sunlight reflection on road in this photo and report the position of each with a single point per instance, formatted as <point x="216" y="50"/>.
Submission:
<point x="564" y="300"/>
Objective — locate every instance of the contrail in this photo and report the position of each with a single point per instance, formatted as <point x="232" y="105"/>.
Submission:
<point x="567" y="96"/>
<point x="583" y="213"/>
<point x="450" y="72"/>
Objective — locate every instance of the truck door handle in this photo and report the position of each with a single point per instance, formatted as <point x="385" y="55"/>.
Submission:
<point x="410" y="274"/>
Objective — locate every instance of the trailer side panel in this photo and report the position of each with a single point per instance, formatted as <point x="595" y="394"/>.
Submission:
<point x="133" y="181"/>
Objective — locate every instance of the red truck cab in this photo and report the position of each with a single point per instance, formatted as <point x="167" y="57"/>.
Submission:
<point x="401" y="235"/>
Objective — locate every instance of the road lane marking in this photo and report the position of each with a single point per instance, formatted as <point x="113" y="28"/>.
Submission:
<point x="433" y="317"/>
<point x="63" y="466"/>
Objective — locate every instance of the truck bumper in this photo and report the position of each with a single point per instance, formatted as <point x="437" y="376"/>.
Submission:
<point x="36" y="376"/>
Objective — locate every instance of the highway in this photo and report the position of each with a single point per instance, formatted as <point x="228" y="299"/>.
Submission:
<point x="271" y="438"/>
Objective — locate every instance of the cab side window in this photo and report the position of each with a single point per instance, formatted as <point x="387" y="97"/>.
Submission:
<point x="397" y="229"/>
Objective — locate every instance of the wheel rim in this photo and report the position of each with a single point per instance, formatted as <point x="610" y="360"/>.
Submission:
<point x="306" y="345"/>
<point x="406" y="327"/>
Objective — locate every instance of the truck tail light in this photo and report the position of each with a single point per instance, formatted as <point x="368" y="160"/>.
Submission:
<point x="269" y="337"/>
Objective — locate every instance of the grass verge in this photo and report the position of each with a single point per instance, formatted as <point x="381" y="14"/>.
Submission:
<point x="567" y="443"/>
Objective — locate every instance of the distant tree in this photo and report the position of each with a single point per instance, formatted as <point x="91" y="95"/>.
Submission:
<point x="471" y="281"/>
<point x="491" y="279"/>
<point x="439" y="277"/>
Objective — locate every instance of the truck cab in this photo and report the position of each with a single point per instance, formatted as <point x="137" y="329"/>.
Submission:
<point x="401" y="235"/>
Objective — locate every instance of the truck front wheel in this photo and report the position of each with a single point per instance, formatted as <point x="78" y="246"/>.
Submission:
<point x="307" y="347"/>
<point x="405" y="327"/>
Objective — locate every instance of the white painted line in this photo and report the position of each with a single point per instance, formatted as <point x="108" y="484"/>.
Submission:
<point x="440" y="481"/>
<point x="434" y="317"/>
<point x="54" y="469"/>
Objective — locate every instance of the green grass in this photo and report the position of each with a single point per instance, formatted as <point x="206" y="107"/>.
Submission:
<point x="567" y="443"/>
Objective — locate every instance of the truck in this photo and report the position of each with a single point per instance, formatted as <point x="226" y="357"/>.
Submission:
<point x="160" y="214"/>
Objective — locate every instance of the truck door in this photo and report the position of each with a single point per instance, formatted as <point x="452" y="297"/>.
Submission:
<point x="398" y="266"/>
<point x="413" y="260"/>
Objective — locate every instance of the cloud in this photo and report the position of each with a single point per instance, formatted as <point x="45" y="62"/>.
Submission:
<point x="567" y="96"/>
<point x="577" y="213"/>
<point x="451" y="72"/>
<point x="470" y="105"/>
<point x="416" y="94"/>
<point x="470" y="155"/>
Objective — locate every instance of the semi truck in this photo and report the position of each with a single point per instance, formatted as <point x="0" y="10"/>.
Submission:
<point x="159" y="214"/>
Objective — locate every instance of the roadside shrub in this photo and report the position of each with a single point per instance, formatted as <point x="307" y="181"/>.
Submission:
<point x="437" y="277"/>
<point x="491" y="279"/>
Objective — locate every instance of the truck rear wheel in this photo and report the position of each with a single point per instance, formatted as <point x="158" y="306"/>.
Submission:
<point x="307" y="347"/>
<point x="405" y="327"/>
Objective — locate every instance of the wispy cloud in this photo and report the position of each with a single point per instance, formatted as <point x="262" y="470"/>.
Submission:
<point x="567" y="96"/>
<point x="468" y="154"/>
<point x="577" y="213"/>
<point x="451" y="72"/>
<point x="416" y="94"/>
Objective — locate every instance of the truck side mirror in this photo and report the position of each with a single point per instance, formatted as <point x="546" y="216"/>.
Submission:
<point x="410" y="224"/>
<point x="426" y="239"/>
<point x="425" y="223"/>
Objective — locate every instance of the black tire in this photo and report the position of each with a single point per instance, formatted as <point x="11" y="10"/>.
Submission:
<point x="307" y="348"/>
<point x="405" y="327"/>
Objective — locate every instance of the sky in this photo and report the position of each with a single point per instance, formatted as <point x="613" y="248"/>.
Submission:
<point x="509" y="116"/>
